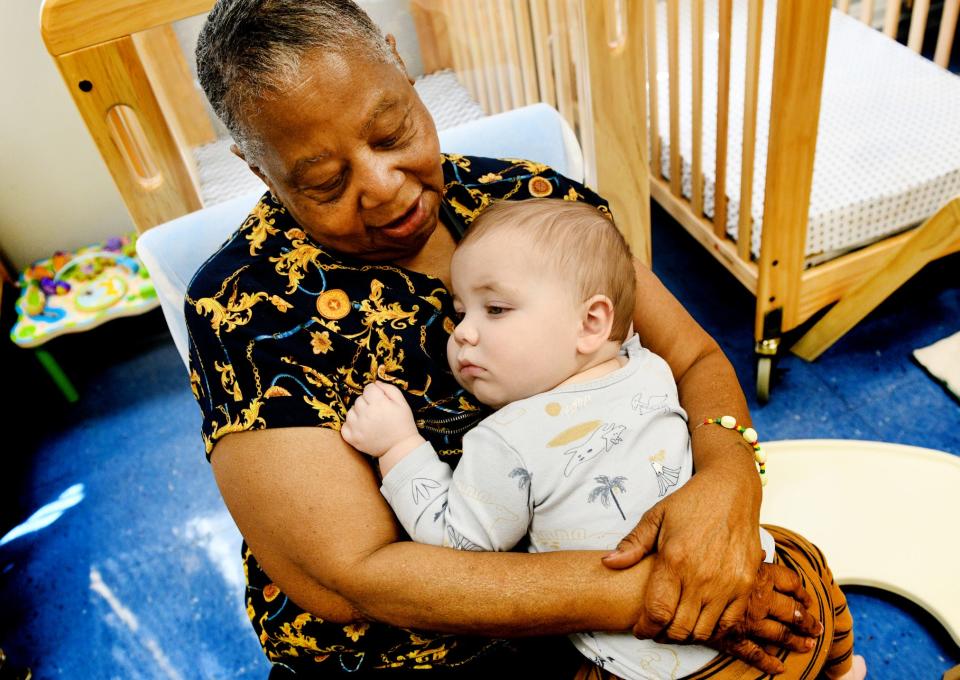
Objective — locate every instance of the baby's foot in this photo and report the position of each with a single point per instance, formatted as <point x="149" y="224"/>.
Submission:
<point x="858" y="670"/>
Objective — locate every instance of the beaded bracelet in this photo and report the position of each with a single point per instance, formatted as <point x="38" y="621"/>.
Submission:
<point x="749" y="435"/>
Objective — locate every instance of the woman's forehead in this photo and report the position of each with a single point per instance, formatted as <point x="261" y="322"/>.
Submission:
<point x="334" y="100"/>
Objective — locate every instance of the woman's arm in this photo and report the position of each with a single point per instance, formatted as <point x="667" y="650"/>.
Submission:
<point x="311" y="511"/>
<point x="705" y="534"/>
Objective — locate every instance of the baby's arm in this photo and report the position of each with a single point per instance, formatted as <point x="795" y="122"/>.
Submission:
<point x="380" y="423"/>
<point x="485" y="506"/>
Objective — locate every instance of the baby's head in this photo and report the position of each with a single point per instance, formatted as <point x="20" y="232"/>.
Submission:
<point x="545" y="289"/>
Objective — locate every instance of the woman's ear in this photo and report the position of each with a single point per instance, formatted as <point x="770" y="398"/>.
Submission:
<point x="595" y="325"/>
<point x="396" y="54"/>
<point x="255" y="169"/>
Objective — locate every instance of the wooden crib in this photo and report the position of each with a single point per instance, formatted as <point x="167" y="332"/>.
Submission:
<point x="787" y="289"/>
<point x="596" y="61"/>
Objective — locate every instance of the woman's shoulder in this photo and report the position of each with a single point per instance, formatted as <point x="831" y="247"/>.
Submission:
<point x="471" y="183"/>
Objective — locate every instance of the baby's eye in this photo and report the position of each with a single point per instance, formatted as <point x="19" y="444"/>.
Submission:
<point x="494" y="310"/>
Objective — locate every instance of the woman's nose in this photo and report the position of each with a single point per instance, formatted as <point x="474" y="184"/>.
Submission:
<point x="381" y="182"/>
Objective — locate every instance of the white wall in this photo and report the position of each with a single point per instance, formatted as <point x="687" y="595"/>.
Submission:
<point x="55" y="191"/>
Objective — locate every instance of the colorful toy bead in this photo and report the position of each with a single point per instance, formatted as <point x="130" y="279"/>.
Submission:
<point x="750" y="436"/>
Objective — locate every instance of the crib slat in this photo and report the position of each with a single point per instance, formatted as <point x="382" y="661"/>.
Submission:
<point x="493" y="32"/>
<point x="844" y="6"/>
<point x="477" y="63"/>
<point x="461" y="40"/>
<point x="696" y="165"/>
<point x="430" y="22"/>
<point x="457" y="47"/>
<point x="557" y="13"/>
<point x="541" y="44"/>
<point x="528" y="65"/>
<point x="511" y="51"/>
<point x="619" y="113"/>
<point x="673" y="66"/>
<point x="918" y="24"/>
<point x="581" y="71"/>
<point x="866" y="12"/>
<point x="745" y="224"/>
<point x="891" y="18"/>
<point x="650" y="21"/>
<point x="487" y="65"/>
<point x="170" y="76"/>
<point x="948" y="27"/>
<point x="724" y="24"/>
<point x="489" y="46"/>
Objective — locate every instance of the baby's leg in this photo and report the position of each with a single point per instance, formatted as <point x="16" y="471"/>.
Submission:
<point x="801" y="555"/>
<point x="842" y="663"/>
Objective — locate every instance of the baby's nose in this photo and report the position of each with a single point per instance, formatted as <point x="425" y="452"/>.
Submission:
<point x="465" y="333"/>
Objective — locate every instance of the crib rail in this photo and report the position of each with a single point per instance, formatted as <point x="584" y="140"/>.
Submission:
<point x="581" y="57"/>
<point x="920" y="17"/>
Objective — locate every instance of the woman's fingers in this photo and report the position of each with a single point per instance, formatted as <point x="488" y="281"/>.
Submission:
<point x="685" y="620"/>
<point x="773" y="631"/>
<point x="708" y="621"/>
<point x="659" y="602"/>
<point x="753" y="654"/>
<point x="786" y="609"/>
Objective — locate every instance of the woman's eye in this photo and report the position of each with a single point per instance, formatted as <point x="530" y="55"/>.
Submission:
<point x="329" y="190"/>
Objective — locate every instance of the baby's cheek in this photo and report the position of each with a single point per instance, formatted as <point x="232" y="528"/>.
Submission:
<point x="452" y="353"/>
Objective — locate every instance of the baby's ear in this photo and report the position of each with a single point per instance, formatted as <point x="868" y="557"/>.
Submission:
<point x="596" y="324"/>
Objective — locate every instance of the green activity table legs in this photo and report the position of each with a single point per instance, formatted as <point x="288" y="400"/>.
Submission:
<point x="57" y="375"/>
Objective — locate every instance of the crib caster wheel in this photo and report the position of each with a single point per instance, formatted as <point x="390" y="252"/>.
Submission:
<point x="766" y="351"/>
<point x="764" y="374"/>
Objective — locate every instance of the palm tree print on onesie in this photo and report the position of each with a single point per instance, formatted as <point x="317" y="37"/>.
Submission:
<point x="608" y="490"/>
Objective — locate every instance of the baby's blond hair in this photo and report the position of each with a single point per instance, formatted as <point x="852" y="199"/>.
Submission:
<point x="578" y="241"/>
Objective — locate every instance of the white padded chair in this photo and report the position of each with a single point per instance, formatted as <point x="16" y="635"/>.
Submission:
<point x="173" y="251"/>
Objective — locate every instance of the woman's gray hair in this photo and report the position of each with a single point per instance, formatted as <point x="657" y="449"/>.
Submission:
<point x="250" y="49"/>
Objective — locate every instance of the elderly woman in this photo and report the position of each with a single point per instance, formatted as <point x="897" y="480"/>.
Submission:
<point x="339" y="277"/>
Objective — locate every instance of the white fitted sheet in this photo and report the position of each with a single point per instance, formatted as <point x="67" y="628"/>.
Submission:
<point x="888" y="145"/>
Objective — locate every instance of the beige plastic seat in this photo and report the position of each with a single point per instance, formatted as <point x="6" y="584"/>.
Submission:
<point x="884" y="514"/>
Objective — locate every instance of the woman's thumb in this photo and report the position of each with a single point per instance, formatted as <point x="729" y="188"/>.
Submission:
<point x="638" y="543"/>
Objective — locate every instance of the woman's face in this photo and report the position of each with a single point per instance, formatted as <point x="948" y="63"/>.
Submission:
<point x="353" y="154"/>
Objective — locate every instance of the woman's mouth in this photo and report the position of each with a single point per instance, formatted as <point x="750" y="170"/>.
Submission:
<point x="408" y="223"/>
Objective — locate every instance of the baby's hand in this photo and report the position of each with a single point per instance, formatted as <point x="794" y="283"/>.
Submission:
<point x="380" y="422"/>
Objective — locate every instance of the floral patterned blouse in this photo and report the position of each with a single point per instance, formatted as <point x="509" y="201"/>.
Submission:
<point x="285" y="332"/>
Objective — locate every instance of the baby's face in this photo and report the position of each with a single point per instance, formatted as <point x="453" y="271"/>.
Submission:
<point x="519" y="322"/>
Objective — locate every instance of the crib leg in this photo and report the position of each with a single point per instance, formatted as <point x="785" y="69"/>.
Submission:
<point x="931" y="240"/>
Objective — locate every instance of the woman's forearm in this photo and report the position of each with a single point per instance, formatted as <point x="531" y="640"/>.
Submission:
<point x="495" y="594"/>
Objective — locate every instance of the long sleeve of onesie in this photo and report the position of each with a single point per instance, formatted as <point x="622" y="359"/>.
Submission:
<point x="484" y="505"/>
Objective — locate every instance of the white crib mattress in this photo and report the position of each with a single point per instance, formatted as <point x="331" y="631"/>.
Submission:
<point x="888" y="146"/>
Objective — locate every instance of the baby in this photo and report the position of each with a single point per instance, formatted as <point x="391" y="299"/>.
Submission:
<point x="589" y="433"/>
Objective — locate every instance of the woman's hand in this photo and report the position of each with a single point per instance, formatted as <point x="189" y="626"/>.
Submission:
<point x="706" y="549"/>
<point x="778" y="610"/>
<point x="380" y="423"/>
